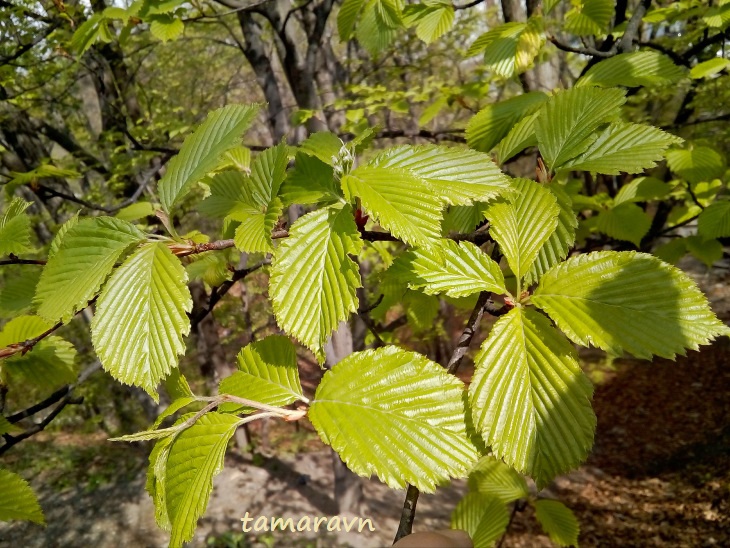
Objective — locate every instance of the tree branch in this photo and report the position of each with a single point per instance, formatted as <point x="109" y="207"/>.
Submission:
<point x="405" y="527"/>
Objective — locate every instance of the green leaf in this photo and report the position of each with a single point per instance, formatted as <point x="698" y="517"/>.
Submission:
<point x="709" y="68"/>
<point x="510" y="48"/>
<point x="202" y="150"/>
<point x="87" y="33"/>
<point x="714" y="221"/>
<point x="313" y="281"/>
<point x="166" y="27"/>
<point x="228" y="192"/>
<point x="174" y="407"/>
<point x="195" y="458"/>
<point x="493" y="477"/>
<point x="556" y="248"/>
<point x="634" y="69"/>
<point x="698" y="164"/>
<point x="623" y="147"/>
<point x="17" y="499"/>
<point x="85" y="257"/>
<point x="141" y="318"/>
<point x="558" y="521"/>
<point x="529" y="398"/>
<point x="589" y="17"/>
<point x="136" y="211"/>
<point x="15" y="229"/>
<point x="16" y="296"/>
<point x="395" y="414"/>
<point x="483" y="517"/>
<point x="671" y="251"/>
<point x="310" y="182"/>
<point x="347" y="16"/>
<point x="707" y="251"/>
<point x="6" y="427"/>
<point x="491" y="124"/>
<point x="61" y="234"/>
<point x="626" y="222"/>
<point x="432" y="20"/>
<point x="717" y="16"/>
<point x="400" y="202"/>
<point x="463" y="219"/>
<point x="373" y="33"/>
<point x="267" y="374"/>
<point x="254" y="233"/>
<point x="458" y="175"/>
<point x="566" y="125"/>
<point x="642" y="189"/>
<point x="523" y="223"/>
<point x="521" y="136"/>
<point x="421" y="310"/>
<point x="455" y="269"/>
<point x="627" y="301"/>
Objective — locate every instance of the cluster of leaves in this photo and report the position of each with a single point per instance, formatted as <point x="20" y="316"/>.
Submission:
<point x="415" y="424"/>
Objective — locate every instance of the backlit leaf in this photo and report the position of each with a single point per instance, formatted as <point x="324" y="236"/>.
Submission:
<point x="558" y="521"/>
<point x="482" y="516"/>
<point x="634" y="69"/>
<point x="85" y="257"/>
<point x="141" y="318"/>
<point x="15" y="229"/>
<point x="313" y="281"/>
<point x="17" y="499"/>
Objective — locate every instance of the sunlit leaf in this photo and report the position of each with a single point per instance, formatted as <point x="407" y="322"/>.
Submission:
<point x="628" y="301"/>
<point x="395" y="414"/>
<point x="17" y="499"/>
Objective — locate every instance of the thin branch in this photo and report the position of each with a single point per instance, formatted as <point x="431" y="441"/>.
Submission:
<point x="364" y="315"/>
<point x="405" y="527"/>
<point x="592" y="52"/>
<point x="217" y="294"/>
<point x="13" y="259"/>
<point x="26" y="346"/>
<point x="469" y="5"/>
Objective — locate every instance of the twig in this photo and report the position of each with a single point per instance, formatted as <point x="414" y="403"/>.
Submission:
<point x="515" y="508"/>
<point x="469" y="5"/>
<point x="13" y="259"/>
<point x="24" y="347"/>
<point x="405" y="527"/>
<point x="364" y="315"/>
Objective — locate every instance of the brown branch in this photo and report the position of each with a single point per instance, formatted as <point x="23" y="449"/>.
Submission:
<point x="26" y="346"/>
<point x="469" y="5"/>
<point x="592" y="52"/>
<point x="364" y="315"/>
<point x="217" y="294"/>
<point x="14" y="259"/>
<point x="405" y="527"/>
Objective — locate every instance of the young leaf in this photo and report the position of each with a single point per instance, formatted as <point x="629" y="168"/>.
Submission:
<point x="634" y="69"/>
<point x="510" y="48"/>
<point x="698" y="164"/>
<point x="642" y="189"/>
<point x="17" y="499"/>
<point x="589" y="17"/>
<point x="529" y="398"/>
<point x="458" y="175"/>
<point x="254" y="233"/>
<point x="267" y="374"/>
<point x="310" y="182"/>
<point x="707" y="251"/>
<point x="141" y="318"/>
<point x="313" y="281"/>
<point x="709" y="68"/>
<point x="463" y="219"/>
<point x="556" y="248"/>
<point x="455" y="269"/>
<point x="714" y="221"/>
<point x="671" y="251"/>
<point x="524" y="223"/>
<point x="228" y="193"/>
<point x="521" y="136"/>
<point x="61" y="234"/>
<point x="623" y="148"/>
<point x="627" y="301"/>
<point x="347" y="16"/>
<point x="493" y="477"/>
<point x="16" y="296"/>
<point x="566" y="124"/>
<point x="483" y="517"/>
<point x="15" y="229"/>
<point x="558" y="521"/>
<point x="166" y="27"/>
<point x="402" y="203"/>
<point x="395" y="414"/>
<point x="626" y="222"/>
<point x="202" y="150"/>
<point x="195" y="458"/>
<point x="431" y="19"/>
<point x="85" y="257"/>
<point x="174" y="407"/>
<point x="490" y="125"/>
